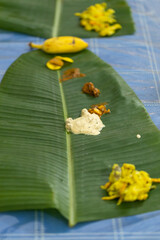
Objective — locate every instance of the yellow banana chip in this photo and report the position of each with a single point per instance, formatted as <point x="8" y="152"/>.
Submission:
<point x="66" y="59"/>
<point x="57" y="63"/>
<point x="52" y="66"/>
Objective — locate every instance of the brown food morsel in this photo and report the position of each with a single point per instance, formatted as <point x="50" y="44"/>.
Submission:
<point x="56" y="61"/>
<point x="90" y="89"/>
<point x="72" y="73"/>
<point x="99" y="109"/>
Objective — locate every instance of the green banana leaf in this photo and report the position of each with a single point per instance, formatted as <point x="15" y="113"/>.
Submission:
<point x="42" y="166"/>
<point x="47" y="18"/>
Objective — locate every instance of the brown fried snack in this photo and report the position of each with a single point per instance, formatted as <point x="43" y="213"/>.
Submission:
<point x="90" y="89"/>
<point x="99" y="109"/>
<point x="72" y="73"/>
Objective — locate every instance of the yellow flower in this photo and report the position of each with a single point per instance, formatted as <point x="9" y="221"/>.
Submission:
<point x="128" y="184"/>
<point x="57" y="62"/>
<point x="97" y="18"/>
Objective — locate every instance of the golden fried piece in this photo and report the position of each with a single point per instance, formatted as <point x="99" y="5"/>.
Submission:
<point x="128" y="184"/>
<point x="72" y="73"/>
<point x="99" y="109"/>
<point x="90" y="89"/>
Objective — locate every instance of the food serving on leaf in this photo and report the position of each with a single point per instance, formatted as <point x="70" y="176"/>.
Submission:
<point x="88" y="124"/>
<point x="99" y="109"/>
<point x="99" y="19"/>
<point x="57" y="62"/>
<point x="42" y="166"/>
<point x="57" y="17"/>
<point x="128" y="184"/>
<point x="72" y="73"/>
<point x="90" y="89"/>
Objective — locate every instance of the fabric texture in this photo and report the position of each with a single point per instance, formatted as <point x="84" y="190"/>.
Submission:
<point x="137" y="59"/>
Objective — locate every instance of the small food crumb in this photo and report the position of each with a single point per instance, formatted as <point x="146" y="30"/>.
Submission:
<point x="138" y="136"/>
<point x="72" y="73"/>
<point x="128" y="184"/>
<point x="88" y="124"/>
<point x="90" y="89"/>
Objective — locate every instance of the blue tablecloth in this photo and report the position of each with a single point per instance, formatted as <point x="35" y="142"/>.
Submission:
<point x="137" y="59"/>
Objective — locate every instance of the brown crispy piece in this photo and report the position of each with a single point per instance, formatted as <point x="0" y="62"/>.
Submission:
<point x="99" y="109"/>
<point x="72" y="73"/>
<point x="90" y="89"/>
<point x="56" y="61"/>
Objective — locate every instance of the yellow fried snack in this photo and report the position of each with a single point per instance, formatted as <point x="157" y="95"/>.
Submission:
<point x="57" y="62"/>
<point x="128" y="184"/>
<point x="66" y="44"/>
<point x="99" y="109"/>
<point x="97" y="18"/>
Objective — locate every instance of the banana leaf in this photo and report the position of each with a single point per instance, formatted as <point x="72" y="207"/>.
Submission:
<point x="42" y="166"/>
<point x="47" y="18"/>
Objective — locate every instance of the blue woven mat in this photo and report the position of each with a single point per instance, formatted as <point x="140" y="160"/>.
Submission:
<point x="137" y="59"/>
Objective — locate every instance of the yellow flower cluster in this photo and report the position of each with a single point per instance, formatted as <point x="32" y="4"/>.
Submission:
<point x="97" y="18"/>
<point x="128" y="184"/>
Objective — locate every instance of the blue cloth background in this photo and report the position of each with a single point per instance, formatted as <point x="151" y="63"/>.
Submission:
<point x="137" y="59"/>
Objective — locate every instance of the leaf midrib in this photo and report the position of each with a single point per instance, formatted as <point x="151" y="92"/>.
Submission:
<point x="68" y="138"/>
<point x="72" y="220"/>
<point x="56" y="19"/>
